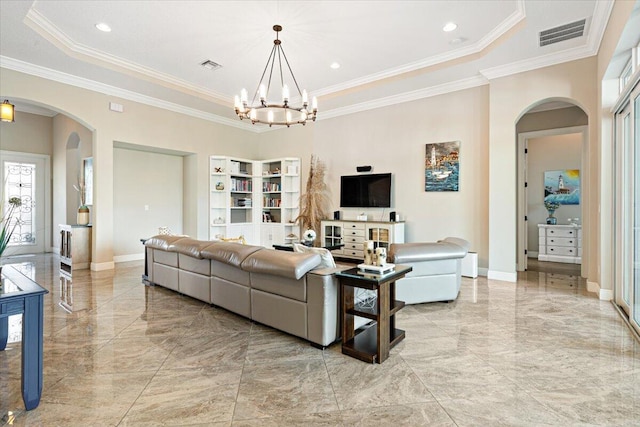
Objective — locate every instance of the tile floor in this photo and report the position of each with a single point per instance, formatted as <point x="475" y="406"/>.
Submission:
<point x="540" y="352"/>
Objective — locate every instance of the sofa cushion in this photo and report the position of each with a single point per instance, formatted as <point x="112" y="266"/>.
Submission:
<point x="188" y="246"/>
<point x="281" y="263"/>
<point x="162" y="241"/>
<point x="326" y="257"/>
<point x="229" y="253"/>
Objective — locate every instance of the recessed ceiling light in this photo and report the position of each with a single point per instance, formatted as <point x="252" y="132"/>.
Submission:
<point x="449" y="26"/>
<point x="335" y="65"/>
<point x="103" y="27"/>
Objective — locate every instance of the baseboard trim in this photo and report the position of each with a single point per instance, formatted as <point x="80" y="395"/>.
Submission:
<point x="502" y="275"/>
<point x="100" y="266"/>
<point x="603" y="294"/>
<point x="483" y="271"/>
<point x="532" y="254"/>
<point x="130" y="257"/>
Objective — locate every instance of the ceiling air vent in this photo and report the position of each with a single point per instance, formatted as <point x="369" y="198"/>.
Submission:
<point x="562" y="33"/>
<point x="210" y="65"/>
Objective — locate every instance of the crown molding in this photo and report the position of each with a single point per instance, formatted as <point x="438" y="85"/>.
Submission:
<point x="506" y="25"/>
<point x="401" y="98"/>
<point x="598" y="25"/>
<point x="539" y="62"/>
<point x="60" y="77"/>
<point x="39" y="23"/>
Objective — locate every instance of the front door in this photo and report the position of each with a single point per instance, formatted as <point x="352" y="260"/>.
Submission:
<point x="24" y="176"/>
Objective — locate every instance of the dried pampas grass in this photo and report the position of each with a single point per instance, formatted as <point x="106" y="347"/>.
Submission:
<point x="314" y="204"/>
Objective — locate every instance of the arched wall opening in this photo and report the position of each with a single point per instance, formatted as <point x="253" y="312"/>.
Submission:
<point x="552" y="136"/>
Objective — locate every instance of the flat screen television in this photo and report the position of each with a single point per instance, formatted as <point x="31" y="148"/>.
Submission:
<point x="365" y="191"/>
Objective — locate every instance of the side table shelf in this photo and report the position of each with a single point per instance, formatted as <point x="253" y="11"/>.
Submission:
<point x="372" y="342"/>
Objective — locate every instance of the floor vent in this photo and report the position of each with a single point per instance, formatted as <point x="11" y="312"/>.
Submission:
<point x="210" y="65"/>
<point x="562" y="33"/>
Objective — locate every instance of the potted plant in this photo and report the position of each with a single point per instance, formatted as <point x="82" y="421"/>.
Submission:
<point x="551" y="207"/>
<point x="83" y="217"/>
<point x="7" y="222"/>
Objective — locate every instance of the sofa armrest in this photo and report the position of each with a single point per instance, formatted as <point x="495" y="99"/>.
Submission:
<point x="323" y="291"/>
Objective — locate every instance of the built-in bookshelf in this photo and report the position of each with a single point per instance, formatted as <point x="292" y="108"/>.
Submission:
<point x="256" y="199"/>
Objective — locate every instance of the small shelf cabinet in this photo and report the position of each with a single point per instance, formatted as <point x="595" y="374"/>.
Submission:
<point x="560" y="243"/>
<point x="75" y="247"/>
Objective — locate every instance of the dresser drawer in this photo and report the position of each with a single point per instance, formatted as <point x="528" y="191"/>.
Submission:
<point x="562" y="241"/>
<point x="353" y="226"/>
<point x="562" y="250"/>
<point x="348" y="232"/>
<point x="562" y="232"/>
<point x="351" y="251"/>
<point x="354" y="239"/>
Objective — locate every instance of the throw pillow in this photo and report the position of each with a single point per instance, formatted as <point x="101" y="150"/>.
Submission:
<point x="325" y="256"/>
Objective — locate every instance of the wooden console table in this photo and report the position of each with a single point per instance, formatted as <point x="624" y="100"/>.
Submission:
<point x="372" y="342"/>
<point x="21" y="295"/>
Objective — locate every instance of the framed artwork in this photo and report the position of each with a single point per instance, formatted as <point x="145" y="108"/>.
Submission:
<point x="87" y="175"/>
<point x="562" y="186"/>
<point x="442" y="166"/>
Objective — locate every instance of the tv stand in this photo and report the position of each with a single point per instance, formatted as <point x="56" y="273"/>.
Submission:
<point x="353" y="233"/>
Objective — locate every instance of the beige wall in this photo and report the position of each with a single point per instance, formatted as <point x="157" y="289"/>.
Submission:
<point x="603" y="152"/>
<point x="511" y="97"/>
<point x="393" y="139"/>
<point x="552" y="119"/>
<point x="71" y="143"/>
<point x="139" y="124"/>
<point x="144" y="201"/>
<point x="551" y="153"/>
<point x="30" y="133"/>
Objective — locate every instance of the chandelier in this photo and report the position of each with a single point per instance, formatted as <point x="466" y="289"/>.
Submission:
<point x="284" y="113"/>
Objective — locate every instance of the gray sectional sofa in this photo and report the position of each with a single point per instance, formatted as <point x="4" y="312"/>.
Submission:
<point x="289" y="291"/>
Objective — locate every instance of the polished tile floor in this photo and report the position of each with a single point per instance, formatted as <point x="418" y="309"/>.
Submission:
<point x="542" y="351"/>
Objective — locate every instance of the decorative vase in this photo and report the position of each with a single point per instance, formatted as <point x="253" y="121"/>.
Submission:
<point x="83" y="215"/>
<point x="551" y="220"/>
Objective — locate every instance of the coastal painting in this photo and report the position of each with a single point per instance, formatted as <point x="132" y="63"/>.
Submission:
<point x="442" y="166"/>
<point x="562" y="186"/>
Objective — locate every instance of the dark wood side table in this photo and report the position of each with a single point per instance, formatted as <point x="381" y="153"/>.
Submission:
<point x="372" y="342"/>
<point x="21" y="295"/>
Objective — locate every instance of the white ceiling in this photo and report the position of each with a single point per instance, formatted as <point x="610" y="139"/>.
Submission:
<point x="389" y="51"/>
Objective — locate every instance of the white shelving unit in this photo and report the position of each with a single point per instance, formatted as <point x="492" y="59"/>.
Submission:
<point x="232" y="199"/>
<point x="256" y="199"/>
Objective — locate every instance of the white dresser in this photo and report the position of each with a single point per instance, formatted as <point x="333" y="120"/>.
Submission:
<point x="560" y="243"/>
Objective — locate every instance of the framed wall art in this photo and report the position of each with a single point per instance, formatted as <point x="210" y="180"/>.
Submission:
<point x="562" y="187"/>
<point x="442" y="166"/>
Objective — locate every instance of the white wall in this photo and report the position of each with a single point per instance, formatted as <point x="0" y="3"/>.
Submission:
<point x="550" y="153"/>
<point x="140" y="180"/>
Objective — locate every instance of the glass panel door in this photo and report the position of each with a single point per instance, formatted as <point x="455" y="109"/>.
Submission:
<point x="635" y="200"/>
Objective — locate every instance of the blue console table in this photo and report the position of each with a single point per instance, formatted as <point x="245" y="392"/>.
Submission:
<point x="21" y="295"/>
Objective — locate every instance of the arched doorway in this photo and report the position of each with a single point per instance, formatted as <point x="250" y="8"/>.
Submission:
<point x="552" y="137"/>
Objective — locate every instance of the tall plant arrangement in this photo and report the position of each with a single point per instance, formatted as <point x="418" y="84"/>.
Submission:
<point x="314" y="202"/>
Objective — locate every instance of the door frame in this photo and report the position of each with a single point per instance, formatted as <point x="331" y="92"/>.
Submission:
<point x="521" y="224"/>
<point x="46" y="183"/>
